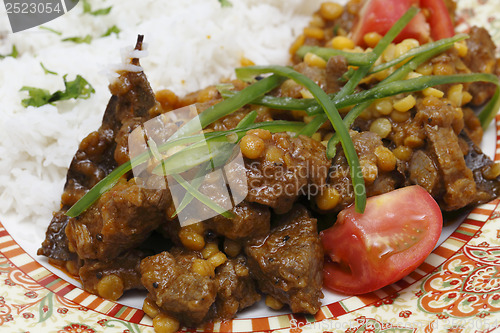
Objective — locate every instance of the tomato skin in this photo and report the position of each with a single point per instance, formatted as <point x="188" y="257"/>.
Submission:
<point x="368" y="251"/>
<point x="439" y="19"/>
<point x="380" y="15"/>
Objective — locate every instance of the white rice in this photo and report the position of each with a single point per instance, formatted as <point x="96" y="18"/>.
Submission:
<point x="192" y="44"/>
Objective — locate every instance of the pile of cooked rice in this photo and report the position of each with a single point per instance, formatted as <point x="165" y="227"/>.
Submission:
<point x="192" y="44"/>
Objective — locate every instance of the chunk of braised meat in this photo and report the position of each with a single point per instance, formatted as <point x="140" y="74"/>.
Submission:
<point x="441" y="123"/>
<point x="288" y="262"/>
<point x="435" y="156"/>
<point x="121" y="219"/>
<point x="486" y="172"/>
<point x="424" y="172"/>
<point x="176" y="288"/>
<point x="472" y="126"/>
<point x="481" y="58"/>
<point x="251" y="219"/>
<point x="110" y="278"/>
<point x="459" y="185"/>
<point x="55" y="245"/>
<point x="380" y="173"/>
<point x="441" y="160"/>
<point x="131" y="97"/>
<point x="336" y="67"/>
<point x="235" y="288"/>
<point x="210" y="96"/>
<point x="289" y="166"/>
<point x="329" y="78"/>
<point x="317" y="74"/>
<point x="229" y="122"/>
<point x="91" y="163"/>
<point x="121" y="154"/>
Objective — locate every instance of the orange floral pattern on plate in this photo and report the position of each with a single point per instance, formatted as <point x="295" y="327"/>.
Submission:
<point x="466" y="285"/>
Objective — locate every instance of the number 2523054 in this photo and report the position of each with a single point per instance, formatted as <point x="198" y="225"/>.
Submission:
<point x="33" y="8"/>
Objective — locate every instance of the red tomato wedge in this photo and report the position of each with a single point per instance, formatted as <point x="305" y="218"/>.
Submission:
<point x="439" y="19"/>
<point x="394" y="235"/>
<point x="380" y="15"/>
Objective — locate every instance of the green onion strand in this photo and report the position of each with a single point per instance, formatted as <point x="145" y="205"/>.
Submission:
<point x="203" y="169"/>
<point x="441" y="44"/>
<point x="361" y="72"/>
<point x="100" y="188"/>
<point x="202" y="198"/>
<point x="311" y="106"/>
<point x="204" y="119"/>
<point x="196" y="183"/>
<point x="229" y="105"/>
<point x="332" y="114"/>
<point x="490" y="110"/>
<point x="110" y="180"/>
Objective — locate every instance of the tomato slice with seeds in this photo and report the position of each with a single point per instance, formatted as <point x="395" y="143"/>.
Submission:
<point x="397" y="231"/>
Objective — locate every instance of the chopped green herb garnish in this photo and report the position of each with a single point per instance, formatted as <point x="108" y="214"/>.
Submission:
<point x="113" y="30"/>
<point x="14" y="53"/>
<point x="38" y="96"/>
<point x="47" y="71"/>
<point x="79" y="40"/>
<point x="225" y="3"/>
<point x="103" y="11"/>
<point x="87" y="9"/>
<point x="51" y="30"/>
<point x="78" y="88"/>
